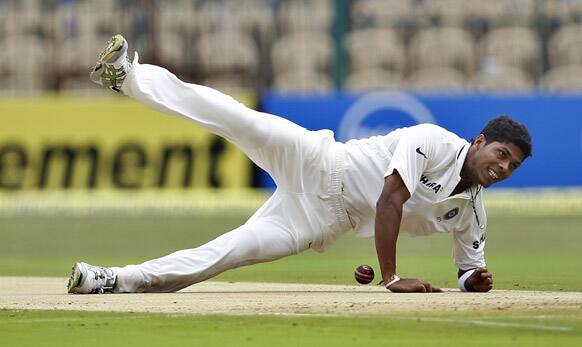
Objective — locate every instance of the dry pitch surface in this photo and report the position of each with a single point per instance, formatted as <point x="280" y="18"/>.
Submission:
<point x="273" y="298"/>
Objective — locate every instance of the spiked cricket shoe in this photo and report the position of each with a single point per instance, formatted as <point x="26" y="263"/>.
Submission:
<point x="112" y="65"/>
<point x="90" y="279"/>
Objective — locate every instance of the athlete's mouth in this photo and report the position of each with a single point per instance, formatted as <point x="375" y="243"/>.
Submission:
<point x="494" y="176"/>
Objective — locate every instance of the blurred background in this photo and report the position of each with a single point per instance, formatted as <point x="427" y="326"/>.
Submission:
<point x="358" y="67"/>
<point x="77" y="160"/>
<point x="300" y="45"/>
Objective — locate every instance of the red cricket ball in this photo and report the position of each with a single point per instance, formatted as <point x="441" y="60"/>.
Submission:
<point x="364" y="274"/>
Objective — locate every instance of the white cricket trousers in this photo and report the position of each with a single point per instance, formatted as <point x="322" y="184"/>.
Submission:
<point x="307" y="209"/>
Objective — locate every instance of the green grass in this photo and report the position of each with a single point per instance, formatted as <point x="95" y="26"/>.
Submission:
<point x="52" y="328"/>
<point x="523" y="252"/>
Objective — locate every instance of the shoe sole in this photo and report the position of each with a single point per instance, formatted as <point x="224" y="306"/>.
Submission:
<point x="114" y="48"/>
<point x="95" y="73"/>
<point x="77" y="275"/>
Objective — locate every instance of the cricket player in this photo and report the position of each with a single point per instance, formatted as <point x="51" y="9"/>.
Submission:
<point x="419" y="180"/>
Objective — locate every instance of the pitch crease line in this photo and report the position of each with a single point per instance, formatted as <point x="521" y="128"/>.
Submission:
<point x="492" y="323"/>
<point x="448" y="320"/>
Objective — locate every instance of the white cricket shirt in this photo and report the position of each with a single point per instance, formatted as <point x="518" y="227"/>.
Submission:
<point x="429" y="160"/>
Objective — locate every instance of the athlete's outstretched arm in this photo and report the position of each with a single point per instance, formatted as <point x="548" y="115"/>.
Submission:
<point x="388" y="216"/>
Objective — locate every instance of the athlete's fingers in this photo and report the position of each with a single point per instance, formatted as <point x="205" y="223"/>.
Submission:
<point x="484" y="285"/>
<point x="430" y="288"/>
<point x="427" y="287"/>
<point x="408" y="285"/>
<point x="486" y="281"/>
<point x="481" y="274"/>
<point x="421" y="288"/>
<point x="480" y="270"/>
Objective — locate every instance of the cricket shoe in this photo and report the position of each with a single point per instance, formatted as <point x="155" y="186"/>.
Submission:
<point x="112" y="65"/>
<point x="90" y="279"/>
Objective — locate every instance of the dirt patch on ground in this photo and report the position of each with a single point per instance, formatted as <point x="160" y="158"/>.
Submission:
<point x="273" y="298"/>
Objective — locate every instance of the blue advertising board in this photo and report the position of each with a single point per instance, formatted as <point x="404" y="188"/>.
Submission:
<point x="554" y="121"/>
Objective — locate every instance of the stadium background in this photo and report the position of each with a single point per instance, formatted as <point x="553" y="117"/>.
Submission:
<point x="358" y="67"/>
<point x="86" y="174"/>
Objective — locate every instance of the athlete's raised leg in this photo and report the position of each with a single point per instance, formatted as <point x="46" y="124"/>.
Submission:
<point x="270" y="141"/>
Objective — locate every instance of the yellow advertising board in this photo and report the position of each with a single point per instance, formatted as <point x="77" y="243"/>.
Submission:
<point x="110" y="144"/>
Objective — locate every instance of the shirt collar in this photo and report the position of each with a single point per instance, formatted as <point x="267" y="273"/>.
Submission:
<point x="461" y="155"/>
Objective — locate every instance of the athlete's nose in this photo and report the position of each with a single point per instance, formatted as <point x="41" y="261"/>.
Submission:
<point x="504" y="167"/>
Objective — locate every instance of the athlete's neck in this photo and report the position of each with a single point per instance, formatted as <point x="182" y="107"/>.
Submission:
<point x="461" y="187"/>
<point x="466" y="181"/>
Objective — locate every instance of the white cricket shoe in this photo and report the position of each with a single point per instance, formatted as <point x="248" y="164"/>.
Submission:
<point x="90" y="279"/>
<point x="112" y="65"/>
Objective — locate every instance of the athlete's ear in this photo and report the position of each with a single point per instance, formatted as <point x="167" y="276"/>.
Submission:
<point x="480" y="141"/>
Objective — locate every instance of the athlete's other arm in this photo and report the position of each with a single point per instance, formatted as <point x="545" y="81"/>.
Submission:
<point x="387" y="225"/>
<point x="480" y="281"/>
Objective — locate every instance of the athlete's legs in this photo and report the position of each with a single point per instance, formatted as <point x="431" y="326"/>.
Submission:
<point x="275" y="231"/>
<point x="291" y="221"/>
<point x="301" y="214"/>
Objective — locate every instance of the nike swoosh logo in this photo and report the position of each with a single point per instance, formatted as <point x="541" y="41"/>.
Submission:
<point x="419" y="152"/>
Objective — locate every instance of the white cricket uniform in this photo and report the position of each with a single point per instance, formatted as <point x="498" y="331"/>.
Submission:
<point x="324" y="187"/>
<point x="429" y="159"/>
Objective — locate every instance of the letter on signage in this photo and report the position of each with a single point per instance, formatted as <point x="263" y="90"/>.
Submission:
<point x="70" y="156"/>
<point x="169" y="153"/>
<point x="13" y="161"/>
<point x="128" y="166"/>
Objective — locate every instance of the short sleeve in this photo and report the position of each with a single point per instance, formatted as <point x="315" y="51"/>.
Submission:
<point x="469" y="248"/>
<point x="411" y="155"/>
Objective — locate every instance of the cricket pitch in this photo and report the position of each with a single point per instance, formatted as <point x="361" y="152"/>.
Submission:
<point x="245" y="298"/>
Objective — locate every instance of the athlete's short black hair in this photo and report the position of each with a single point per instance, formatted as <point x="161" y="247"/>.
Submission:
<point x="505" y="129"/>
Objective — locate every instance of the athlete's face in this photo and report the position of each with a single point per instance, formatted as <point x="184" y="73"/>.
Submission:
<point x="493" y="162"/>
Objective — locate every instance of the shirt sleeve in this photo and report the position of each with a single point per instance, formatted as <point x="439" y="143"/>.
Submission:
<point x="411" y="155"/>
<point x="469" y="248"/>
<point x="469" y="243"/>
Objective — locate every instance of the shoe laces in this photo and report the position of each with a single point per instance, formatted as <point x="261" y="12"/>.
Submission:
<point x="104" y="279"/>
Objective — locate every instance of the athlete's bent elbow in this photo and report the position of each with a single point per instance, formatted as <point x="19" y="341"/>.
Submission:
<point x="392" y="203"/>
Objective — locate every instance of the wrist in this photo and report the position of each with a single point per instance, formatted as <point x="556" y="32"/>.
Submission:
<point x="390" y="281"/>
<point x="463" y="285"/>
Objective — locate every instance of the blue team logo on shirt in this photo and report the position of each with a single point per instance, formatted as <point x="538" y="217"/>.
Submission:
<point x="451" y="214"/>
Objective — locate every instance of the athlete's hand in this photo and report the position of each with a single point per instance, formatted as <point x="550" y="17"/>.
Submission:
<point x="480" y="281"/>
<point x="412" y="285"/>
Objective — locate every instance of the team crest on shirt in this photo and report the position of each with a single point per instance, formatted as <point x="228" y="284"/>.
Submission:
<point x="451" y="214"/>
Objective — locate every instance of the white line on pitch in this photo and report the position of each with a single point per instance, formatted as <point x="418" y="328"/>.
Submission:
<point x="493" y="323"/>
<point x="448" y="320"/>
